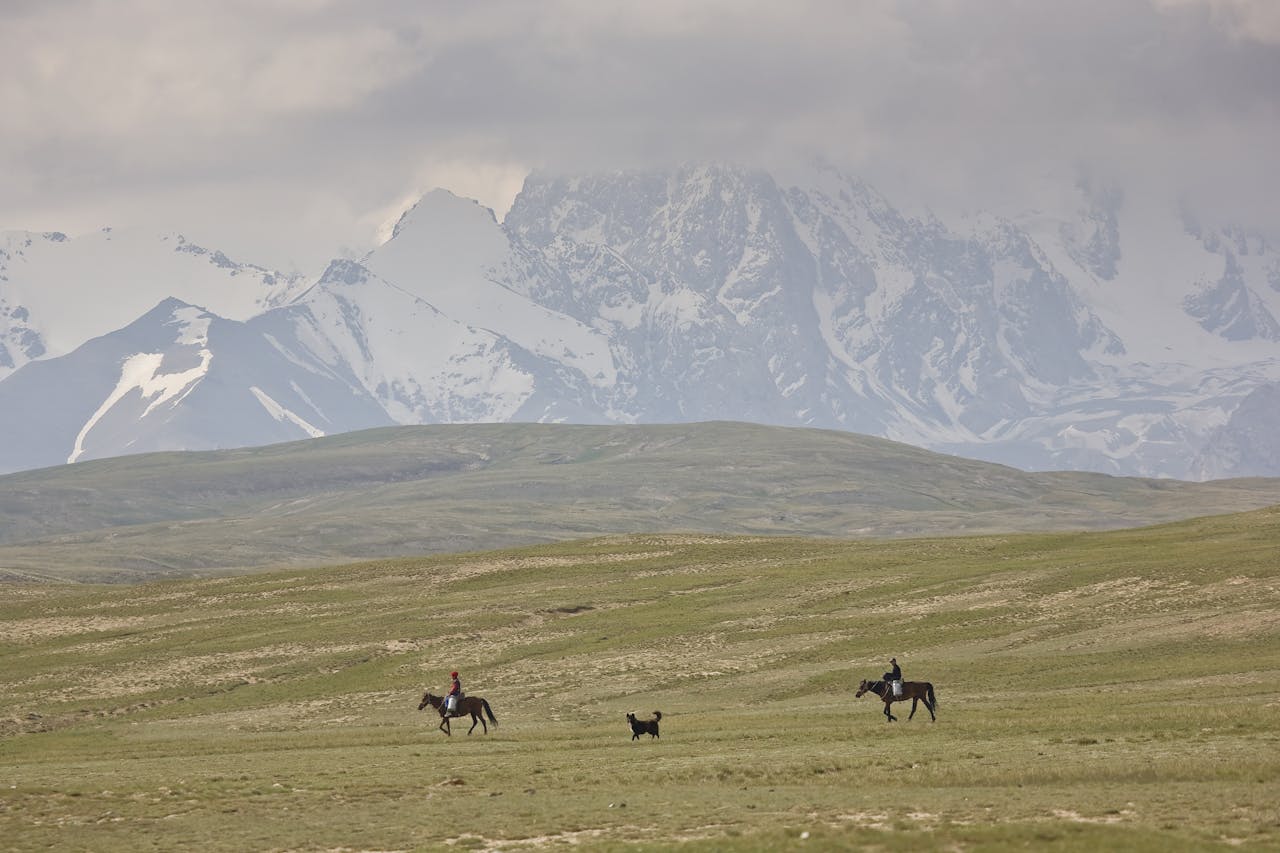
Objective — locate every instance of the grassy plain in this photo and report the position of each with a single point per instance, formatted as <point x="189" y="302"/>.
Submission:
<point x="1114" y="690"/>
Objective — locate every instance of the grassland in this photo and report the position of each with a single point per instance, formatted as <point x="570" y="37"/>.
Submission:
<point x="1111" y="690"/>
<point x="446" y="489"/>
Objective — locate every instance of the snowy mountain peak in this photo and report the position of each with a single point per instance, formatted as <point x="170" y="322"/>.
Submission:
<point x="439" y="212"/>
<point x="1108" y="331"/>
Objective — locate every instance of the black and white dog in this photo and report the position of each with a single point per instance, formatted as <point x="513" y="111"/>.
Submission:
<point x="644" y="727"/>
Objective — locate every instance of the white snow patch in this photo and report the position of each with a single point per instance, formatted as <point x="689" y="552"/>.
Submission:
<point x="282" y="414"/>
<point x="292" y="357"/>
<point x="680" y="308"/>
<point x="141" y="373"/>
<point x="195" y="326"/>
<point x="303" y="395"/>
<point x="824" y="306"/>
<point x="421" y="366"/>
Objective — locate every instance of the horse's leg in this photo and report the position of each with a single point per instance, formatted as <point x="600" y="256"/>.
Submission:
<point x="914" y="701"/>
<point x="474" y="718"/>
<point x="891" y="717"/>
<point x="445" y="727"/>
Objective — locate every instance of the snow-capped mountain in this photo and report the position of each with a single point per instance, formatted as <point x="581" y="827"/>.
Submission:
<point x="56" y="292"/>
<point x="1112" y="333"/>
<point x="1046" y="342"/>
<point x="176" y="378"/>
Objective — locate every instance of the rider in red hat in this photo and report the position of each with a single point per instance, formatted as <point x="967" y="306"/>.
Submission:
<point x="455" y="693"/>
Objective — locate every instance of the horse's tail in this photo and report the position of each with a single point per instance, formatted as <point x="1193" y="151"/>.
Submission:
<point x="657" y="715"/>
<point x="489" y="711"/>
<point x="933" y="697"/>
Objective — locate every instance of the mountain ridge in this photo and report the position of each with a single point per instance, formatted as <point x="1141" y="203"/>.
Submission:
<point x="1118" y="336"/>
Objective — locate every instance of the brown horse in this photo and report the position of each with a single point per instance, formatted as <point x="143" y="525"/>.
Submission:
<point x="475" y="706"/>
<point x="916" y="691"/>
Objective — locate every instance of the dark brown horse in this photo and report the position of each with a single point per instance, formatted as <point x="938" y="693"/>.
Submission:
<point x="475" y="706"/>
<point x="916" y="691"/>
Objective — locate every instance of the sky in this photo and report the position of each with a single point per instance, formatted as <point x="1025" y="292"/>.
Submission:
<point x="289" y="132"/>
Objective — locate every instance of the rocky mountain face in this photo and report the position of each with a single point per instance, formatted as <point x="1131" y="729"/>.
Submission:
<point x="1249" y="442"/>
<point x="1120" y="336"/>
<point x="823" y="308"/>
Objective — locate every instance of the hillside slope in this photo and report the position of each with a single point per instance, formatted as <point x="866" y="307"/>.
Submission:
<point x="414" y="490"/>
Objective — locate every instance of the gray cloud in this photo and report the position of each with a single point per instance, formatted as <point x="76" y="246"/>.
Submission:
<point x="293" y="128"/>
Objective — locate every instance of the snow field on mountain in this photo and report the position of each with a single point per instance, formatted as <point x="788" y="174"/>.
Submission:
<point x="77" y="288"/>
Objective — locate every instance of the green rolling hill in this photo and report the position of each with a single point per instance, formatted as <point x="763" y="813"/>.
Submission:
<point x="441" y="489"/>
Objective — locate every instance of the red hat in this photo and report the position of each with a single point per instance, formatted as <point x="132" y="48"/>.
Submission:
<point x="453" y="675"/>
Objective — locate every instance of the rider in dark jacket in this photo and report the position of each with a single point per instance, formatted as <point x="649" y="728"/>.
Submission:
<point x="893" y="675"/>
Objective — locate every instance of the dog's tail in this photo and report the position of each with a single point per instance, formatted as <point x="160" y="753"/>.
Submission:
<point x="657" y="715"/>
<point x="489" y="711"/>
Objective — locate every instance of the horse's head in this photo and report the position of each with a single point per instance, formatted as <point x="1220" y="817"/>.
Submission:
<point x="862" y="688"/>
<point x="428" y="699"/>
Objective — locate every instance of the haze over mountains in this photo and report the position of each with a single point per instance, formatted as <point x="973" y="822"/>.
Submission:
<point x="1116" y="334"/>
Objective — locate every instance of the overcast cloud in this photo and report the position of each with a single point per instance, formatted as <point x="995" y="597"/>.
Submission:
<point x="290" y="131"/>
